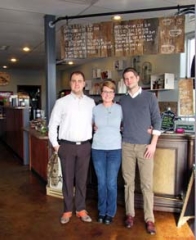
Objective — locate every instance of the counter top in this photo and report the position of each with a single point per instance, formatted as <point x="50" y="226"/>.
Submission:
<point x="19" y="107"/>
<point x="163" y="135"/>
<point x="174" y="135"/>
<point x="36" y="133"/>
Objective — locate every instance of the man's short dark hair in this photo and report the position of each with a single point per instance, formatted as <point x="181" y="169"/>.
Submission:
<point x="77" y="72"/>
<point x="130" y="69"/>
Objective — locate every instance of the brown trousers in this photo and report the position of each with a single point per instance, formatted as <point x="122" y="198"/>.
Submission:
<point x="74" y="163"/>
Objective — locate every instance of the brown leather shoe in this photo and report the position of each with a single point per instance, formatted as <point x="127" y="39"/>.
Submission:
<point x="83" y="215"/>
<point x="129" y="221"/>
<point x="150" y="227"/>
<point x="66" y="217"/>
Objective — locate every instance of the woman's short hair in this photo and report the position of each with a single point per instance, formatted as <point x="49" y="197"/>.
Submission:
<point x="110" y="84"/>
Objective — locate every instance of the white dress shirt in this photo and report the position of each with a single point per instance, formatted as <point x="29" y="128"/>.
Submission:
<point x="73" y="115"/>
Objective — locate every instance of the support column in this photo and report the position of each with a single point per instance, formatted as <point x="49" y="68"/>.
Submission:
<point x="50" y="64"/>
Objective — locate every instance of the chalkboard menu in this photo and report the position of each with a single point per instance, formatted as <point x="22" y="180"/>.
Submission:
<point x="99" y="41"/>
<point x="93" y="45"/>
<point x="167" y="120"/>
<point x="74" y="41"/>
<point x="136" y="37"/>
<point x="133" y="37"/>
<point x="121" y="39"/>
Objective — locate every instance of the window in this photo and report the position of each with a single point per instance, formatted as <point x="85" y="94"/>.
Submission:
<point x="190" y="53"/>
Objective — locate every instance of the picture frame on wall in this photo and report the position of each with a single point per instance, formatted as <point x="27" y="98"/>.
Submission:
<point x="4" y="78"/>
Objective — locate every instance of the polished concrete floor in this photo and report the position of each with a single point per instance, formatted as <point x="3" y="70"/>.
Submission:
<point x="27" y="213"/>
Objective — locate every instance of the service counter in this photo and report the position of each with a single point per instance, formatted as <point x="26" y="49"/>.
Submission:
<point x="172" y="168"/>
<point x="174" y="159"/>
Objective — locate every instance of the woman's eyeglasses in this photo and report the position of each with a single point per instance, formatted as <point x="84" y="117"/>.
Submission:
<point x="108" y="92"/>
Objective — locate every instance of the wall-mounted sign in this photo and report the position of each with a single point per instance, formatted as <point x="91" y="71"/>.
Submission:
<point x="167" y="120"/>
<point x="4" y="78"/>
<point x="185" y="97"/>
<point x="126" y="38"/>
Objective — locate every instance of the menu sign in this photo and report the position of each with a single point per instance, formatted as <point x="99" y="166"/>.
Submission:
<point x="121" y="39"/>
<point x="134" y="37"/>
<point x="99" y="40"/>
<point x="167" y="121"/>
<point x="185" y="97"/>
<point x="93" y="46"/>
<point x="74" y="41"/>
<point x="171" y="35"/>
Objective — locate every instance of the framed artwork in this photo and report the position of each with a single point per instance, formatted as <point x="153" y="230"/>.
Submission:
<point x="4" y="78"/>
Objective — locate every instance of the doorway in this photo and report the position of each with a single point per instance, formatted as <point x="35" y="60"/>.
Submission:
<point x="34" y="92"/>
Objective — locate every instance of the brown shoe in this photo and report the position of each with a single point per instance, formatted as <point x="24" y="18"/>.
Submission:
<point x="150" y="227"/>
<point x="83" y="215"/>
<point x="66" y="217"/>
<point x="129" y="221"/>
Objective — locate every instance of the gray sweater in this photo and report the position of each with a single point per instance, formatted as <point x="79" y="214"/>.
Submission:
<point x="139" y="114"/>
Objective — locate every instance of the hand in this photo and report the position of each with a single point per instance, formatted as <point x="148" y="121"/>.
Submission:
<point x="150" y="150"/>
<point x="56" y="148"/>
<point x="95" y="128"/>
<point x="150" y="130"/>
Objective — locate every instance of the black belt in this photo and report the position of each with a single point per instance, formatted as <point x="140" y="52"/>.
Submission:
<point x="75" y="143"/>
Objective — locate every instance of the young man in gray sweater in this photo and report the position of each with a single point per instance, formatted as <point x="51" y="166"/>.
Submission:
<point x="140" y="112"/>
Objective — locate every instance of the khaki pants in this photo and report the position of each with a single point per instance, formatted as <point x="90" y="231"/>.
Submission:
<point x="132" y="154"/>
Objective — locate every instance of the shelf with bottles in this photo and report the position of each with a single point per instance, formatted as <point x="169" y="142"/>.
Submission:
<point x="161" y="82"/>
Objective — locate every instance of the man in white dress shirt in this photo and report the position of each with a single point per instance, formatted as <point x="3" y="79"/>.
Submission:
<point x="71" y="123"/>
